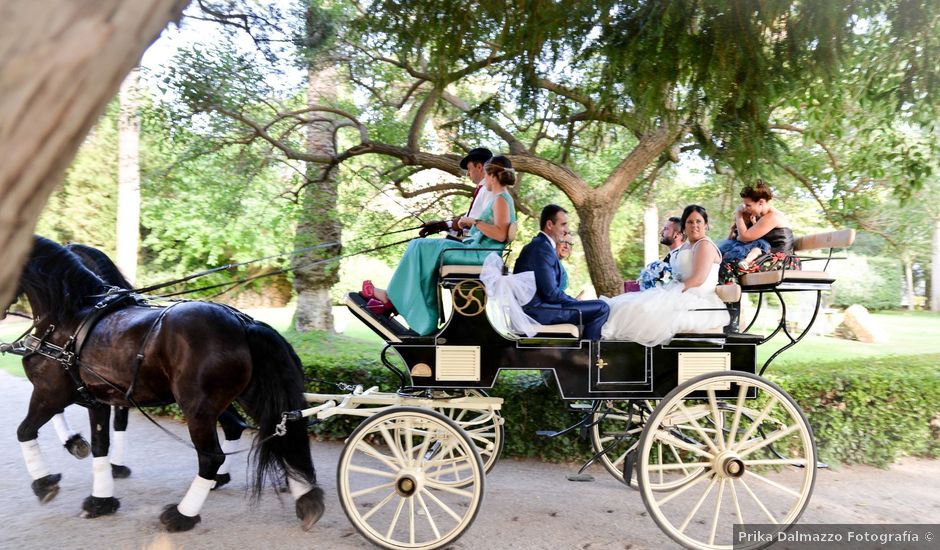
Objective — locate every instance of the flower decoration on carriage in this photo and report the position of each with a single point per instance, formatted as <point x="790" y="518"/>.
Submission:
<point x="658" y="273"/>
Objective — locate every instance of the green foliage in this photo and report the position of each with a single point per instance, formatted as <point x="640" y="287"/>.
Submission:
<point x="870" y="411"/>
<point x="874" y="282"/>
<point x="84" y="208"/>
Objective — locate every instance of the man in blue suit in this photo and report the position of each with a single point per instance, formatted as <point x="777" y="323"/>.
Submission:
<point x="550" y="305"/>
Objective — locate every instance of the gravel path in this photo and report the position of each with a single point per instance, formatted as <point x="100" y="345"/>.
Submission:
<point x="528" y="504"/>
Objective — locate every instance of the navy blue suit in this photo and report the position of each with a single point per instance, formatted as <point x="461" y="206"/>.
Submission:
<point x="550" y="305"/>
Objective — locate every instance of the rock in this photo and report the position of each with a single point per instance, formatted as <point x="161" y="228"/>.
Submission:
<point x="859" y="325"/>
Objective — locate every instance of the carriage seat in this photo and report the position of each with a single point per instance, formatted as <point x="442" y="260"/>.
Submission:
<point x="792" y="279"/>
<point x="458" y="271"/>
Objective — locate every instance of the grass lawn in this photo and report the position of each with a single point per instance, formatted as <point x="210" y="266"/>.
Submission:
<point x="908" y="333"/>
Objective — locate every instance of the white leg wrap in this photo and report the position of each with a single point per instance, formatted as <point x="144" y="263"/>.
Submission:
<point x="228" y="446"/>
<point x="103" y="484"/>
<point x="195" y="497"/>
<point x="32" y="455"/>
<point x="118" y="443"/>
<point x="297" y="487"/>
<point x="62" y="428"/>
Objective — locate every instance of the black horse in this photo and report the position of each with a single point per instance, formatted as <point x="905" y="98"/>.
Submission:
<point x="200" y="355"/>
<point x="233" y="425"/>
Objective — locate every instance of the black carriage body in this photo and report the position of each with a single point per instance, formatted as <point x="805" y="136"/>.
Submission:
<point x="468" y="353"/>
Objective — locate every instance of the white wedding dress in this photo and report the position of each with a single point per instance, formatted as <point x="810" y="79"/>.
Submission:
<point x="654" y="316"/>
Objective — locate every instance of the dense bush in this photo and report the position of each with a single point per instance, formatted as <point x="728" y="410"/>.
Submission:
<point x="874" y="282"/>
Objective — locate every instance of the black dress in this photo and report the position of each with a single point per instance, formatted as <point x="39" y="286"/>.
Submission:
<point x="780" y="239"/>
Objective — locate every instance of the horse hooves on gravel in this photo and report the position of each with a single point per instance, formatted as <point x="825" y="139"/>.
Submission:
<point x="221" y="479"/>
<point x="93" y="507"/>
<point x="47" y="487"/>
<point x="175" y="522"/>
<point x="310" y="507"/>
<point x="77" y="446"/>
<point x="119" y="471"/>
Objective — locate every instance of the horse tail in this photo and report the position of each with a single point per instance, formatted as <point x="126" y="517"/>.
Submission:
<point x="276" y="387"/>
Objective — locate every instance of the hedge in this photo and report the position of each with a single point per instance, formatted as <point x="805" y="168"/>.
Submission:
<point x="870" y="411"/>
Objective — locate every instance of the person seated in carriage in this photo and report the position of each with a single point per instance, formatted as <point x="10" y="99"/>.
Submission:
<point x="688" y="303"/>
<point x="474" y="163"/>
<point x="412" y="290"/>
<point x="550" y="305"/>
<point x="758" y="228"/>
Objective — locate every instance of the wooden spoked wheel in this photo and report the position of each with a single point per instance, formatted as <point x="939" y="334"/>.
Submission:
<point x="740" y="461"/>
<point x="485" y="429"/>
<point x="615" y="432"/>
<point x="396" y="479"/>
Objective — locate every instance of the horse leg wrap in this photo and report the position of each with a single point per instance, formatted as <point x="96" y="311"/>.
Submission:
<point x="298" y="488"/>
<point x="62" y="428"/>
<point x="103" y="484"/>
<point x="228" y="446"/>
<point x="118" y="444"/>
<point x="195" y="496"/>
<point x="32" y="455"/>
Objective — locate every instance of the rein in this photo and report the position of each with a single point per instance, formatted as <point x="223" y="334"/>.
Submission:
<point x="151" y="288"/>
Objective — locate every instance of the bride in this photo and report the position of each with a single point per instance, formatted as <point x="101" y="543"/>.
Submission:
<point x="685" y="304"/>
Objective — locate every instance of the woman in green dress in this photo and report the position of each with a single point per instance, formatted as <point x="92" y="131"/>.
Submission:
<point x="412" y="290"/>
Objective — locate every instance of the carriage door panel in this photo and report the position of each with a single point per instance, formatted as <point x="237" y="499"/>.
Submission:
<point x="621" y="366"/>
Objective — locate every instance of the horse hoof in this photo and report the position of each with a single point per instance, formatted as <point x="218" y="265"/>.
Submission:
<point x="47" y="487"/>
<point x="93" y="507"/>
<point x="119" y="471"/>
<point x="175" y="522"/>
<point x="77" y="446"/>
<point x="310" y="507"/>
<point x="221" y="479"/>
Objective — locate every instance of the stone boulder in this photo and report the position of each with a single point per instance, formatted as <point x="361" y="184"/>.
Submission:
<point x="857" y="324"/>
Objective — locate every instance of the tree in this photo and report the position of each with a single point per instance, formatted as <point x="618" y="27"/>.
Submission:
<point x="596" y="98"/>
<point x="62" y="63"/>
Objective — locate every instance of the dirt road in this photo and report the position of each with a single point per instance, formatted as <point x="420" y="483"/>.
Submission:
<point x="528" y="504"/>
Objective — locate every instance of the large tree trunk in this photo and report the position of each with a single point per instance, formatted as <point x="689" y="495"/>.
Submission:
<point x="599" y="205"/>
<point x="935" y="269"/>
<point x="60" y="64"/>
<point x="128" y="208"/>
<point x="594" y="230"/>
<point x="318" y="223"/>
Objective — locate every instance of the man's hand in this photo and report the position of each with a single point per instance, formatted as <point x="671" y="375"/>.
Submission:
<point x="431" y="228"/>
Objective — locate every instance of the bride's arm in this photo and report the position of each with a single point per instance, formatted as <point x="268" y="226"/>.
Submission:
<point x="703" y="257"/>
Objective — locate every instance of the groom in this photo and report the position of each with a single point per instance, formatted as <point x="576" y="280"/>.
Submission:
<point x="551" y="306"/>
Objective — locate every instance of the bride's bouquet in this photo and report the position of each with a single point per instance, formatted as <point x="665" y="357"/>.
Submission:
<point x="657" y="273"/>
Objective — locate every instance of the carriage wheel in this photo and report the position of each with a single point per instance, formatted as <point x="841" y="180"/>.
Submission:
<point x="396" y="479"/>
<point x="757" y="460"/>
<point x="615" y="432"/>
<point x="485" y="428"/>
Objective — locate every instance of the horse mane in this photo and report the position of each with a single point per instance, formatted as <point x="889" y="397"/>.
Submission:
<point x="55" y="279"/>
<point x="100" y="264"/>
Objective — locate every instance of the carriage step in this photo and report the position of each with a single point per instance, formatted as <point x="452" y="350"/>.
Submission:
<point x="579" y="477"/>
<point x="547" y="433"/>
<point x="580" y="406"/>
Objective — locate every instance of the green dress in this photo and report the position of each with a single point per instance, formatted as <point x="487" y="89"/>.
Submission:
<point x="413" y="288"/>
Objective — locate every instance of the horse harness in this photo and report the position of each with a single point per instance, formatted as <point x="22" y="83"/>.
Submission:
<point x="69" y="354"/>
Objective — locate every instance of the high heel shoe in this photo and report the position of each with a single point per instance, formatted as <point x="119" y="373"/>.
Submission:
<point x="368" y="289"/>
<point x="379" y="307"/>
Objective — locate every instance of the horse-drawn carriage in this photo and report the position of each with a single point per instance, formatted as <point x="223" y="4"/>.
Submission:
<point x="692" y="424"/>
